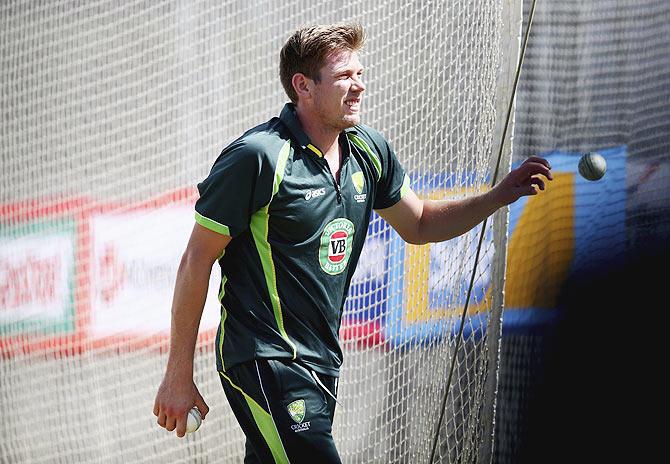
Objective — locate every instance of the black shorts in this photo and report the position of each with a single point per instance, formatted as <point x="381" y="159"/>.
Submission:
<point x="285" y="410"/>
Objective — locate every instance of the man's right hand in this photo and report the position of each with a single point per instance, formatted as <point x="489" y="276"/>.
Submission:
<point x="175" y="398"/>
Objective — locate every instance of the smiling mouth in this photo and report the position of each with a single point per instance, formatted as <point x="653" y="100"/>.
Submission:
<point x="353" y="104"/>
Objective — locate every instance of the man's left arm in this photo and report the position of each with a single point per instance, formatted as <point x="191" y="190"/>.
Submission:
<point x="423" y="221"/>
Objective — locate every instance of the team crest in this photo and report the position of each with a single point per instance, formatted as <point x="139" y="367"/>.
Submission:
<point x="296" y="410"/>
<point x="335" y="248"/>
<point x="358" y="180"/>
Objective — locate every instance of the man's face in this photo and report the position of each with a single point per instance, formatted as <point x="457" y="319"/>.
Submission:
<point x="338" y="93"/>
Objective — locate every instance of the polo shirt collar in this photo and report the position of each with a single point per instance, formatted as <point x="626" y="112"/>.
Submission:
<point x="289" y="117"/>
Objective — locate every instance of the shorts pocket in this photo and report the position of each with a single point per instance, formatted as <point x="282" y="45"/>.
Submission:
<point x="300" y="396"/>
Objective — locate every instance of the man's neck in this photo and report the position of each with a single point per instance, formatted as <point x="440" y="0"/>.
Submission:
<point x="324" y="137"/>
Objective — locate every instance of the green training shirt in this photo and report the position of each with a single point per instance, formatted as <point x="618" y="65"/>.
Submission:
<point x="297" y="236"/>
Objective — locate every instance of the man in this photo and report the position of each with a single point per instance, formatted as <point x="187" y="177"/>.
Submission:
<point x="285" y="210"/>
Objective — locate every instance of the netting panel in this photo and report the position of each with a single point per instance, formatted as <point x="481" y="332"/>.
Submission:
<point x="596" y="77"/>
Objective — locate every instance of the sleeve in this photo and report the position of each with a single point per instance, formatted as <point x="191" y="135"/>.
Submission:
<point x="393" y="182"/>
<point x="238" y="185"/>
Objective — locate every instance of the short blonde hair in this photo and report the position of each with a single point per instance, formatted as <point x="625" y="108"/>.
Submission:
<point x="307" y="49"/>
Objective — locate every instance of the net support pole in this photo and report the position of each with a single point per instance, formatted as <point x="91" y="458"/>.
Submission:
<point x="512" y="18"/>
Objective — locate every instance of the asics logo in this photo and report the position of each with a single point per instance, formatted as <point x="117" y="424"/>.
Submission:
<point x="314" y="193"/>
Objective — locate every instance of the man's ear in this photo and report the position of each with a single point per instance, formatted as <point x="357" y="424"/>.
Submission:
<point x="302" y="85"/>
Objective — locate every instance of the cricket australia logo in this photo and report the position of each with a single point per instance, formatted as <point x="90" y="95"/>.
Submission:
<point x="296" y="410"/>
<point x="335" y="248"/>
<point x="358" y="179"/>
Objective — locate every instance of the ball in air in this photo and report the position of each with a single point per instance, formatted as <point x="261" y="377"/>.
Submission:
<point x="193" y="420"/>
<point x="592" y="166"/>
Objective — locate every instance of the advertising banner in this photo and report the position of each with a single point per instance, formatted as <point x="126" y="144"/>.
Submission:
<point x="37" y="278"/>
<point x="135" y="257"/>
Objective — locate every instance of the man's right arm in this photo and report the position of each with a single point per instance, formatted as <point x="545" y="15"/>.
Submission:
<point x="177" y="393"/>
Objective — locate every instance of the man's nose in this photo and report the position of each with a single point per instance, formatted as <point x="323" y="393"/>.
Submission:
<point x="359" y="85"/>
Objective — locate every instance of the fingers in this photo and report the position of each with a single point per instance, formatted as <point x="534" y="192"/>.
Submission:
<point x="171" y="423"/>
<point x="537" y="159"/>
<point x="531" y="184"/>
<point x="536" y="165"/>
<point x="162" y="419"/>
<point x="171" y="420"/>
<point x="202" y="407"/>
<point x="160" y="413"/>
<point x="537" y="181"/>
<point x="181" y="425"/>
<point x="527" y="188"/>
<point x="172" y="405"/>
<point x="531" y="168"/>
<point x="527" y="179"/>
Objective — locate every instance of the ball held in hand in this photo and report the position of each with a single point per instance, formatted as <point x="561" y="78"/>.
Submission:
<point x="592" y="166"/>
<point x="193" y="420"/>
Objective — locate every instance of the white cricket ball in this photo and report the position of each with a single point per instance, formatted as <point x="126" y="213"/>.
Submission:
<point x="193" y="420"/>
<point x="592" y="166"/>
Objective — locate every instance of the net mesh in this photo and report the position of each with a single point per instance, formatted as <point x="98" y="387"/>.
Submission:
<point x="596" y="77"/>
<point x="113" y="112"/>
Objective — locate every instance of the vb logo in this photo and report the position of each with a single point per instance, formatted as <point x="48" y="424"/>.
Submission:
<point x="335" y="249"/>
<point x="338" y="246"/>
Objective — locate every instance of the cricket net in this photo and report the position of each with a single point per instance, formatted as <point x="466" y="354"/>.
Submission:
<point x="114" y="111"/>
<point x="596" y="78"/>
